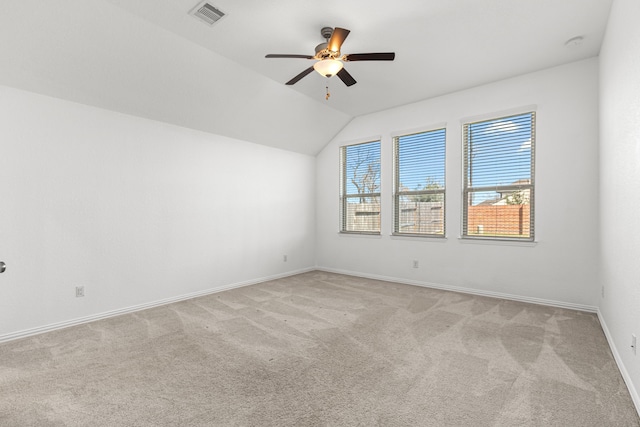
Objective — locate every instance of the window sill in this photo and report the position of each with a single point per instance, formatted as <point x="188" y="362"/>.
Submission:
<point x="360" y="234"/>
<point x="494" y="241"/>
<point x="429" y="237"/>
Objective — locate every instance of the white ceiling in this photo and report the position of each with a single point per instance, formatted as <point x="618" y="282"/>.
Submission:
<point x="152" y="59"/>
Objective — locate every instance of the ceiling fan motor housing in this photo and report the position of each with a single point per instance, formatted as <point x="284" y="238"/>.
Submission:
<point x="321" y="47"/>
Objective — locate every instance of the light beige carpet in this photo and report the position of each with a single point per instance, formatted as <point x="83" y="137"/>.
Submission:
<point x="320" y="349"/>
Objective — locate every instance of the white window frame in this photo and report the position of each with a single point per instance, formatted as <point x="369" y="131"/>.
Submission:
<point x="345" y="196"/>
<point x="399" y="192"/>
<point x="522" y="187"/>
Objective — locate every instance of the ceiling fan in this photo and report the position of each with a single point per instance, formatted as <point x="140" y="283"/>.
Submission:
<point x="329" y="60"/>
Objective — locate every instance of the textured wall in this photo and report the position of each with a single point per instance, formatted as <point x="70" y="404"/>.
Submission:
<point x="137" y="211"/>
<point x="561" y="266"/>
<point x="620" y="175"/>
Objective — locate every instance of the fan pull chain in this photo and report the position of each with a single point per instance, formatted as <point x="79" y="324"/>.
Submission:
<point x="328" y="94"/>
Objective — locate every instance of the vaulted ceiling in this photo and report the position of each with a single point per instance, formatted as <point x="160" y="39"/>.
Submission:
<point x="152" y="59"/>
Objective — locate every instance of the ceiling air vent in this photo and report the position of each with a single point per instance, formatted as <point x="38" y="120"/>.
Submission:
<point x="207" y="13"/>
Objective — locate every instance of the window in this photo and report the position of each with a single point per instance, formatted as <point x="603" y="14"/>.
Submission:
<point x="360" y="188"/>
<point x="499" y="182"/>
<point x="419" y="186"/>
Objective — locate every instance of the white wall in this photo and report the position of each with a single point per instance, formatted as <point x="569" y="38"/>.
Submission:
<point x="619" y="184"/>
<point x="136" y="211"/>
<point x="561" y="267"/>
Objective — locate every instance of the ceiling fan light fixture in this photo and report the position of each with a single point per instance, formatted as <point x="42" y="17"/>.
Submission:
<point x="329" y="60"/>
<point x="328" y="67"/>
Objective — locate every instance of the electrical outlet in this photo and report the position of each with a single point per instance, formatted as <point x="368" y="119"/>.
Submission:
<point x="415" y="263"/>
<point x="284" y="258"/>
<point x="633" y="344"/>
<point x="79" y="291"/>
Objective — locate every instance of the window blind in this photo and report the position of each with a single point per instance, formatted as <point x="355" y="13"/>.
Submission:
<point x="419" y="187"/>
<point x="499" y="180"/>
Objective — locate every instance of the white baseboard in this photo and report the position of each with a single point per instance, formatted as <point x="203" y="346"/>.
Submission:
<point x="78" y="321"/>
<point x="621" y="367"/>
<point x="532" y="300"/>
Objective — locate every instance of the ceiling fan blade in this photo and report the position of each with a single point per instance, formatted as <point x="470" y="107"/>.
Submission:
<point x="277" y="55"/>
<point x="297" y="78"/>
<point x="337" y="38"/>
<point x="346" y="77"/>
<point x="381" y="56"/>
